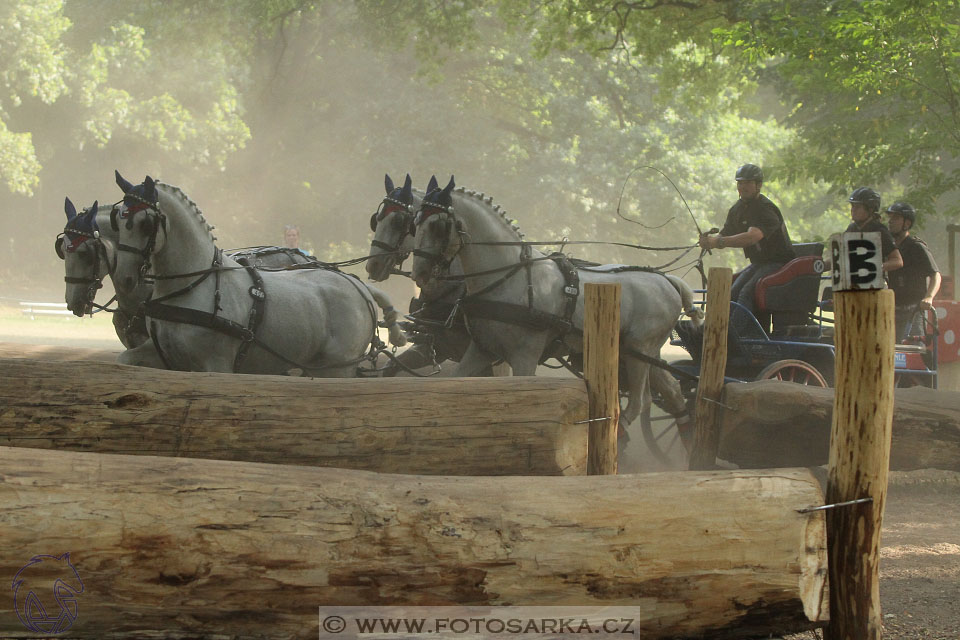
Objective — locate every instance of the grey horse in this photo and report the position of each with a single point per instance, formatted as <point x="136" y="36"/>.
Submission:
<point x="434" y="341"/>
<point x="88" y="247"/>
<point x="520" y="305"/>
<point x="210" y="313"/>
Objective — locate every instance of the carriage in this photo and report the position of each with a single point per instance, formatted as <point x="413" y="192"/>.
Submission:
<point x="790" y="338"/>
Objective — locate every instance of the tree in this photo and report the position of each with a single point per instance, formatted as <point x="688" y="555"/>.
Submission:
<point x="874" y="87"/>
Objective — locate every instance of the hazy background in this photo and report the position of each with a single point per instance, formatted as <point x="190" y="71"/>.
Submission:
<point x="279" y="112"/>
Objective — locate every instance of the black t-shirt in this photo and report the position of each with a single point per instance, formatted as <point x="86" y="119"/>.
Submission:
<point x="764" y="215"/>
<point x="886" y="238"/>
<point x="909" y="283"/>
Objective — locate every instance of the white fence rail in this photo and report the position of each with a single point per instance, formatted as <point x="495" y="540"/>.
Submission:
<point x="34" y="309"/>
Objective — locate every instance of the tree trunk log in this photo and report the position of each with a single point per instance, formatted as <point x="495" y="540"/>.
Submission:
<point x="781" y="424"/>
<point x="448" y="426"/>
<point x="176" y="547"/>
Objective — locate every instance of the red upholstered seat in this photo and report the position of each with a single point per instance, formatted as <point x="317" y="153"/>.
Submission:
<point x="794" y="287"/>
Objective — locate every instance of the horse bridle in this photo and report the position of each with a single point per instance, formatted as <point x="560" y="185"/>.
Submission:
<point x="127" y="213"/>
<point x="437" y="261"/>
<point x="95" y="282"/>
<point x="388" y="206"/>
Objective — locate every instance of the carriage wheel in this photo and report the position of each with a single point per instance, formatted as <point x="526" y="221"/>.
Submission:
<point x="660" y="432"/>
<point x="793" y="371"/>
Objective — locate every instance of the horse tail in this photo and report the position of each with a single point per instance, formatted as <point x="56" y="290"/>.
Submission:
<point x="390" y="315"/>
<point x="693" y="311"/>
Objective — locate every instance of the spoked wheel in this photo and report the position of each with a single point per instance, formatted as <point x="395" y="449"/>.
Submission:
<point x="660" y="432"/>
<point x="793" y="371"/>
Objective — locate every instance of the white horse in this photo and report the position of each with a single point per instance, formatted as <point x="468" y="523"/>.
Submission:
<point x="88" y="247"/>
<point x="210" y="313"/>
<point x="393" y="241"/>
<point x="520" y="306"/>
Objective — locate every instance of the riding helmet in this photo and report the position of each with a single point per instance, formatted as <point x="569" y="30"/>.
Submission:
<point x="905" y="210"/>
<point x="867" y="197"/>
<point x="750" y="172"/>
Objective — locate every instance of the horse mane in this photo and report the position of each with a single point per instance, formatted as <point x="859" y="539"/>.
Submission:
<point x="191" y="205"/>
<point x="487" y="201"/>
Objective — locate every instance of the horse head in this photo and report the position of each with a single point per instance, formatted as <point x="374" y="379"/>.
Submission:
<point x="137" y="220"/>
<point x="392" y="226"/>
<point x="85" y="256"/>
<point x="45" y="594"/>
<point x="438" y="233"/>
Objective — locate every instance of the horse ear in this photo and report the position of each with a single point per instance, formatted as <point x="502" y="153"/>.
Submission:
<point x="123" y="184"/>
<point x="406" y="194"/>
<point x="433" y="184"/>
<point x="69" y="209"/>
<point x="151" y="186"/>
<point x="388" y="183"/>
<point x="408" y="183"/>
<point x="450" y="185"/>
<point x="94" y="208"/>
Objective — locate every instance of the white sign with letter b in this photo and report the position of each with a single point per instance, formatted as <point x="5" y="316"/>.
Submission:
<point x="857" y="261"/>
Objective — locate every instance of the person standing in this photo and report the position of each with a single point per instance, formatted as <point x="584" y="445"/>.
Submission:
<point x="865" y="216"/>
<point x="291" y="238"/>
<point x="754" y="223"/>
<point x="915" y="285"/>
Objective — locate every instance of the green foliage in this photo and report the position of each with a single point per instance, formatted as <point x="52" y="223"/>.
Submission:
<point x="874" y="84"/>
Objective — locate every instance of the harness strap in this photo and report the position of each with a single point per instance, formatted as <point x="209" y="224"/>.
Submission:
<point x="259" y="296"/>
<point x="517" y="314"/>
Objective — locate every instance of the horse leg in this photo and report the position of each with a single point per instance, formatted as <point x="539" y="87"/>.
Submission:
<point x="638" y="392"/>
<point x="474" y="362"/>
<point x="144" y="355"/>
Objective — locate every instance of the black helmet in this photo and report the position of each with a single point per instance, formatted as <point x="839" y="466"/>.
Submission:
<point x="905" y="210"/>
<point x="867" y="197"/>
<point x="750" y="172"/>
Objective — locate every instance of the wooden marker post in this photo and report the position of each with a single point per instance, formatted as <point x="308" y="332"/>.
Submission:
<point x="860" y="436"/>
<point x="601" y="360"/>
<point x="706" y="438"/>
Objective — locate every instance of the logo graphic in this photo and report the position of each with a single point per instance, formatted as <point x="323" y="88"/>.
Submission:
<point x="45" y="594"/>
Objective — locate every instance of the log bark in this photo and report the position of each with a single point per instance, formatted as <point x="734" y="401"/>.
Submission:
<point x="782" y="424"/>
<point x="476" y="426"/>
<point x="183" y="548"/>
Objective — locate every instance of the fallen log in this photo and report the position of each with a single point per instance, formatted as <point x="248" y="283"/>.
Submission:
<point x="782" y="424"/>
<point x="450" y="426"/>
<point x="183" y="548"/>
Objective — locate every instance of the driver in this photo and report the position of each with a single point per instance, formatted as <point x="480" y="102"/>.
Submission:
<point x="754" y="224"/>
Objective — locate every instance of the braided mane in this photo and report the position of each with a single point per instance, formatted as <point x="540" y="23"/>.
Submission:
<point x="488" y="201"/>
<point x="191" y="205"/>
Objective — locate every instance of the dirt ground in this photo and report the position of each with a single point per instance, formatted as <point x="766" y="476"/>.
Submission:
<point x="920" y="547"/>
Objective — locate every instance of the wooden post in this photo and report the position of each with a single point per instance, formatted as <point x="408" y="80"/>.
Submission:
<point x="706" y="439"/>
<point x="601" y="361"/>
<point x="952" y="230"/>
<point x="859" y="459"/>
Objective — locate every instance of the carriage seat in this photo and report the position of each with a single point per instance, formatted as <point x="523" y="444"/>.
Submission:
<point x="790" y="294"/>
